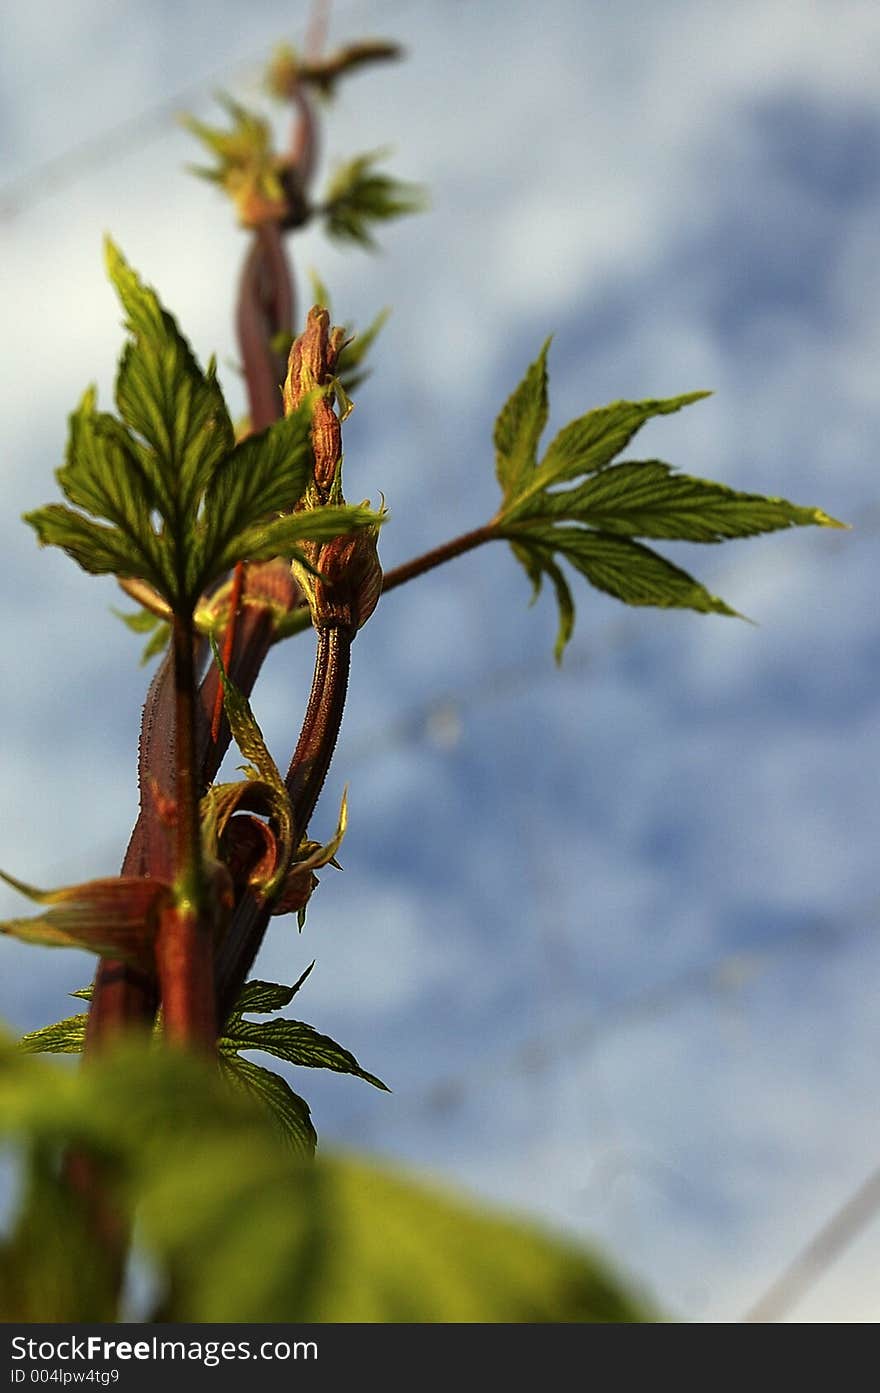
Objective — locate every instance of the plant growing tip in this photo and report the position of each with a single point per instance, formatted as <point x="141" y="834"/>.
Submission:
<point x="229" y="541"/>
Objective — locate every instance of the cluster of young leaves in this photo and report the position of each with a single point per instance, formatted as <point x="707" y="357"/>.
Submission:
<point x="246" y="167"/>
<point x="292" y="1041"/>
<point x="359" y="195"/>
<point x="289" y="70"/>
<point x="295" y="1042"/>
<point x="577" y="504"/>
<point x="237" y="1228"/>
<point x="183" y="501"/>
<point x="264" y="185"/>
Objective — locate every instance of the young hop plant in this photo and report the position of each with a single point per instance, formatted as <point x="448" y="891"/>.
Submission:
<point x="232" y="541"/>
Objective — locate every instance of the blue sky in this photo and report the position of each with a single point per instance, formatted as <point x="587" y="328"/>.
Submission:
<point x="609" y="932"/>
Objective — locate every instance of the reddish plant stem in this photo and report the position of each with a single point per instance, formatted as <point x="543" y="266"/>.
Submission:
<point x="235" y="597"/>
<point x="304" y="139"/>
<point x="265" y="309"/>
<point x="321" y="724"/>
<point x="185" y="962"/>
<point x="124" y="996"/>
<point x="305" y="779"/>
<point x="188" y="833"/>
<point x="184" y="942"/>
<point x="429" y="559"/>
<point x="253" y="342"/>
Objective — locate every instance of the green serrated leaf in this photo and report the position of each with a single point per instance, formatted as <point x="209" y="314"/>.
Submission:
<point x="245" y="730"/>
<point x="99" y="550"/>
<point x="62" y="1037"/>
<point x="262" y="997"/>
<point x="646" y="498"/>
<point x="288" y="1111"/>
<point x="146" y="475"/>
<point x="167" y="400"/>
<point x="519" y="426"/>
<point x="537" y="564"/>
<point x="264" y="475"/>
<point x="297" y="1043"/>
<point x="593" y="440"/>
<point x="103" y="475"/>
<point x="358" y="196"/>
<point x="592" y="523"/>
<point x="630" y="572"/>
<point x="184" y="502"/>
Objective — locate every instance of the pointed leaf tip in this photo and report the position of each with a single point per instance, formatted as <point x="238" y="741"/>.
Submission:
<point x="519" y="426"/>
<point x="823" y="519"/>
<point x="115" y="917"/>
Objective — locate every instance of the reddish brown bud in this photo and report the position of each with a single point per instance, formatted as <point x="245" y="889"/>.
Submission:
<point x="296" y="891"/>
<point x="350" y="575"/>
<point x="351" y="580"/>
<point x="250" y="851"/>
<point x="311" y="366"/>
<point x="313" y="358"/>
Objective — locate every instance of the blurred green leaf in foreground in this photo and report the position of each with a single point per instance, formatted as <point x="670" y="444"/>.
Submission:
<point x="237" y="1229"/>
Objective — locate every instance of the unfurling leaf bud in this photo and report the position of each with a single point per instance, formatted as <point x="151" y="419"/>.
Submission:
<point x="351" y="579"/>
<point x="311" y="368"/>
<point x="343" y="579"/>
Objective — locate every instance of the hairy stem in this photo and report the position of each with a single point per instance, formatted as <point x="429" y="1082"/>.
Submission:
<point x="185" y="959"/>
<point x="321" y="724"/>
<point x="304" y="138"/>
<point x="188" y="835"/>
<point x="265" y="308"/>
<point x="305" y="779"/>
<point x="235" y="598"/>
<point x="184" y="943"/>
<point x="123" y="995"/>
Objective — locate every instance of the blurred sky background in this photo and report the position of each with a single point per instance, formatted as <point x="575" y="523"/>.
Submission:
<point x="608" y="932"/>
